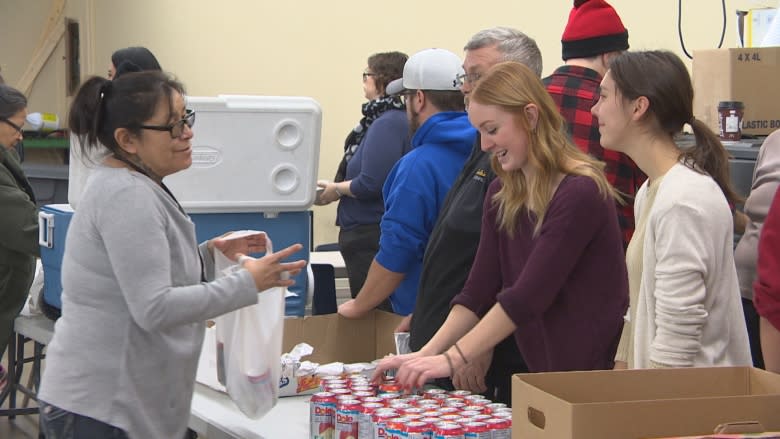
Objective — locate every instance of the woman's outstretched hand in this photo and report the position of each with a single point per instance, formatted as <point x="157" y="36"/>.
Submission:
<point x="269" y="271"/>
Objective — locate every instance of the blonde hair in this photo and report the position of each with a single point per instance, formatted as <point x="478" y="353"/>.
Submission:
<point x="512" y="86"/>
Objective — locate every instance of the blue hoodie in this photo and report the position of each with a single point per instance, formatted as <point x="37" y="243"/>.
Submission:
<point x="414" y="193"/>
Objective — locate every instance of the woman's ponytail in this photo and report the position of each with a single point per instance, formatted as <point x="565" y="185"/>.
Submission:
<point x="85" y="112"/>
<point x="709" y="155"/>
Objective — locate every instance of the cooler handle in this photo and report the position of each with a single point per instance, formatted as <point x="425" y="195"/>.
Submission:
<point x="46" y="229"/>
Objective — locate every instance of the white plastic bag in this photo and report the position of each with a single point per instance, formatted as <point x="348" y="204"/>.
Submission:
<point x="36" y="290"/>
<point x="249" y="345"/>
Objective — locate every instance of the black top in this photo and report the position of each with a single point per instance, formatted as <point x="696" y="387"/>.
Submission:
<point x="451" y="247"/>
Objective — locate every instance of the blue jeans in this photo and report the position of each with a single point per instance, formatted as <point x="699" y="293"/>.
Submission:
<point x="56" y="423"/>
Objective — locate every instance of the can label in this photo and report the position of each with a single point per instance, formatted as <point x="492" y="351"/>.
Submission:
<point x="500" y="428"/>
<point x="393" y="430"/>
<point x="347" y="423"/>
<point x="365" y="426"/>
<point x="321" y="419"/>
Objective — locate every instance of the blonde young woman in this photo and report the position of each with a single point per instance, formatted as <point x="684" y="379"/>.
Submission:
<point x="550" y="265"/>
<point x="685" y="303"/>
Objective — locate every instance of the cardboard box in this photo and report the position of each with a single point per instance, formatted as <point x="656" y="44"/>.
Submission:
<point x="335" y="338"/>
<point x="732" y="436"/>
<point x="645" y="403"/>
<point x="748" y="75"/>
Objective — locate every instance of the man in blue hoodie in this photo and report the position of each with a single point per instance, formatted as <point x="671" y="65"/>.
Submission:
<point x="415" y="189"/>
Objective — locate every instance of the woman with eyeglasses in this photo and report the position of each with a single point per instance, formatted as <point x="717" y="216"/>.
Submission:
<point x="370" y="151"/>
<point x="137" y="288"/>
<point x="18" y="220"/>
<point x="128" y="59"/>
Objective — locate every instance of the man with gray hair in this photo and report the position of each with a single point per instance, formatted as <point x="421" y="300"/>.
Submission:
<point x="455" y="237"/>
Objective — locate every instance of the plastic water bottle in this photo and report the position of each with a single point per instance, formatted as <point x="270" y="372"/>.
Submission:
<point x="43" y="121"/>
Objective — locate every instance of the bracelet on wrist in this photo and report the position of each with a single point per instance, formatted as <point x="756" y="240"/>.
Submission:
<point x="449" y="361"/>
<point x="338" y="192"/>
<point x="457" y="348"/>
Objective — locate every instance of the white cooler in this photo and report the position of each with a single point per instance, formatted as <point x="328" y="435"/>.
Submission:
<point x="254" y="166"/>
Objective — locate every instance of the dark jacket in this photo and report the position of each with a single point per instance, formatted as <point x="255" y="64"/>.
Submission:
<point x="18" y="240"/>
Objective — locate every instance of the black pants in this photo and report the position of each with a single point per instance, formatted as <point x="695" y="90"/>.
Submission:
<point x="358" y="247"/>
<point x="506" y="362"/>
<point x="751" y="320"/>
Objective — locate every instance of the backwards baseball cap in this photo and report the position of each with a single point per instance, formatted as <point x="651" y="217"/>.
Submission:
<point x="593" y="28"/>
<point x="429" y="69"/>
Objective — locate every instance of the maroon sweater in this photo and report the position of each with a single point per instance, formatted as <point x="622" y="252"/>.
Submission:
<point x="566" y="289"/>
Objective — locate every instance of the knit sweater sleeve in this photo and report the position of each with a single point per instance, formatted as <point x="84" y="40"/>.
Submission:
<point x="577" y="212"/>
<point x="683" y="246"/>
<point x="767" y="286"/>
<point x="135" y="232"/>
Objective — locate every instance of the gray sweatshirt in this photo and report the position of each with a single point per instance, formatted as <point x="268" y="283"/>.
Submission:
<point x="126" y="348"/>
<point x="766" y="178"/>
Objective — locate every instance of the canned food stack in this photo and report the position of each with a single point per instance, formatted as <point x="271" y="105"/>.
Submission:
<point x="352" y="407"/>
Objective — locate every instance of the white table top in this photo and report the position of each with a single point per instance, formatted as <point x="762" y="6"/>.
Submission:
<point x="38" y="327"/>
<point x="215" y="416"/>
<point x="332" y="258"/>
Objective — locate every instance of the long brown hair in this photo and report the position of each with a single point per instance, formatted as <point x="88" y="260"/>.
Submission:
<point x="663" y="79"/>
<point x="512" y="86"/>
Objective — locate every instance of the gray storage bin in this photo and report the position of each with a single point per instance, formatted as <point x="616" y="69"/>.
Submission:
<point x="49" y="182"/>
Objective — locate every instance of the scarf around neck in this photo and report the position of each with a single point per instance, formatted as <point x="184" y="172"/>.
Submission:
<point x="371" y="112"/>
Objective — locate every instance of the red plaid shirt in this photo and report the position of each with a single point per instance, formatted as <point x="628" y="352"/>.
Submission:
<point x="575" y="90"/>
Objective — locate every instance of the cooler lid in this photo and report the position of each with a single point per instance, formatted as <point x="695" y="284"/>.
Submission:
<point x="251" y="154"/>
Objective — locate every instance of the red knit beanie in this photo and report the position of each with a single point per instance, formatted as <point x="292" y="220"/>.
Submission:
<point x="593" y="28"/>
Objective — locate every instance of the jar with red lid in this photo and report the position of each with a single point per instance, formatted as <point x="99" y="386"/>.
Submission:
<point x="730" y="114"/>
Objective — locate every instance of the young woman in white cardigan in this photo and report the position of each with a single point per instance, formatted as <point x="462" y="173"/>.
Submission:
<point x="685" y="308"/>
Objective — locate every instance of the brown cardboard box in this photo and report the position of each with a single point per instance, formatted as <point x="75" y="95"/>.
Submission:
<point x="335" y="338"/>
<point x="749" y="75"/>
<point x="646" y="403"/>
<point x="732" y="436"/>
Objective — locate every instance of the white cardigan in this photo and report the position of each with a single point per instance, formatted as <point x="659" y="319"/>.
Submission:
<point x="689" y="311"/>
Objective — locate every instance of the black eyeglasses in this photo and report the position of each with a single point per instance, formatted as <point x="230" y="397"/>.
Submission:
<point x="467" y="77"/>
<point x="16" y="127"/>
<point x="176" y="129"/>
<point x="366" y="75"/>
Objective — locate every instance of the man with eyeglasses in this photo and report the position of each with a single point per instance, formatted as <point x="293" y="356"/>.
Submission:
<point x="453" y="243"/>
<point x="417" y="185"/>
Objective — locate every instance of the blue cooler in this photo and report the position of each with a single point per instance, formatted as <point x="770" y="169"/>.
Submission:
<point x="286" y="229"/>
<point x="53" y="223"/>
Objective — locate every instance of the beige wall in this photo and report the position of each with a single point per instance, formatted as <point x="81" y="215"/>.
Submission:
<point x="316" y="48"/>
